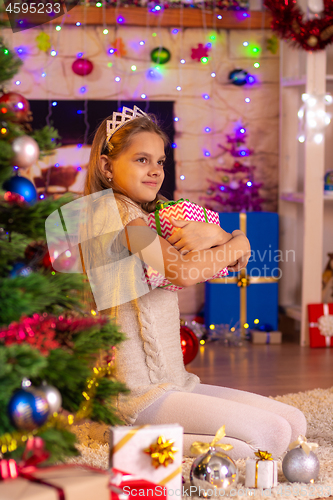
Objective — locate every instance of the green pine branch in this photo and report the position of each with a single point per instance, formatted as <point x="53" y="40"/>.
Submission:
<point x="46" y="139"/>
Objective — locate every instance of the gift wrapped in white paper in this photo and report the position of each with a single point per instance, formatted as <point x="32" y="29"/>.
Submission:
<point x="127" y="453"/>
<point x="261" y="473"/>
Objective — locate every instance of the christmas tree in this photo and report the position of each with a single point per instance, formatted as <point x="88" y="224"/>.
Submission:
<point x="56" y="357"/>
<point x="237" y="191"/>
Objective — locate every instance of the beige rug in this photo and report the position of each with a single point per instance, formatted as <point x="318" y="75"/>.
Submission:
<point x="317" y="406"/>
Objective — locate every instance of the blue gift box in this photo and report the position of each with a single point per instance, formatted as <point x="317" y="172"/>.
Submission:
<point x="244" y="298"/>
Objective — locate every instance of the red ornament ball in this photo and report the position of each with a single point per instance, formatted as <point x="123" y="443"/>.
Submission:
<point x="17" y="104"/>
<point x="82" y="67"/>
<point x="189" y="344"/>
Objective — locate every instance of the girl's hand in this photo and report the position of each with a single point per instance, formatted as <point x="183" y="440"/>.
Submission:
<point x="195" y="235"/>
<point x="244" y="244"/>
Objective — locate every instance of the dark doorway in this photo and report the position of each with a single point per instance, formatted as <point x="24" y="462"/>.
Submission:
<point x="73" y="125"/>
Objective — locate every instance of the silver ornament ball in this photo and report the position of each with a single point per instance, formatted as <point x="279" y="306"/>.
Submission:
<point x="26" y="151"/>
<point x="298" y="467"/>
<point x="52" y="396"/>
<point x="213" y="471"/>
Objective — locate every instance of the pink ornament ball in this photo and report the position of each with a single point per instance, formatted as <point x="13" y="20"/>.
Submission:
<point x="82" y="67"/>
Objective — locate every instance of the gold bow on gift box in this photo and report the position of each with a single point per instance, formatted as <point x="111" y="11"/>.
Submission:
<point x="161" y="452"/>
<point x="200" y="448"/>
<point x="303" y="443"/>
<point x="262" y="455"/>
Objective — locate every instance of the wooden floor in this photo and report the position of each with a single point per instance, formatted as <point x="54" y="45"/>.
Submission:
<point x="269" y="370"/>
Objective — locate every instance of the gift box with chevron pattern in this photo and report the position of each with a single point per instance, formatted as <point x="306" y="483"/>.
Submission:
<point x="159" y="222"/>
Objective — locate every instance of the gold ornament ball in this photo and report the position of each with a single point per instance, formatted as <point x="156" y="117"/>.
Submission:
<point x="213" y="473"/>
<point x="312" y="41"/>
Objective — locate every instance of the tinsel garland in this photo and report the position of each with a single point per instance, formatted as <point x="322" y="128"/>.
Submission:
<point x="46" y="332"/>
<point x="289" y="23"/>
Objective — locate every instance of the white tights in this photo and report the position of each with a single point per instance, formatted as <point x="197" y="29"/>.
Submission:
<point x="251" y="421"/>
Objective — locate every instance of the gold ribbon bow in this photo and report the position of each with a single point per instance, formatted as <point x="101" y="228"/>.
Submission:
<point x="263" y="455"/>
<point x="303" y="443"/>
<point x="199" y="447"/>
<point x="161" y="452"/>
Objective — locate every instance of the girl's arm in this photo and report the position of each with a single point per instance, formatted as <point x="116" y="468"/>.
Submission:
<point x="182" y="270"/>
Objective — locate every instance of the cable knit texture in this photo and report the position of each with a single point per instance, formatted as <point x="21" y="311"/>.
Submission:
<point x="150" y="360"/>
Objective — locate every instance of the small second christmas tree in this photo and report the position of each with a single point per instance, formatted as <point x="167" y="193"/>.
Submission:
<point x="237" y="191"/>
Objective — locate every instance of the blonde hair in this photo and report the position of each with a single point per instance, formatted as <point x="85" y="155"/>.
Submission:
<point x="96" y="180"/>
<point x="119" y="142"/>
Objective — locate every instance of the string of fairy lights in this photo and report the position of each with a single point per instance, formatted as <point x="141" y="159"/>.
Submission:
<point x="155" y="70"/>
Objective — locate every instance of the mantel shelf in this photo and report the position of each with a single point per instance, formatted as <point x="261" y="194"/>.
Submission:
<point x="299" y="197"/>
<point x="139" y="16"/>
<point x="298" y="82"/>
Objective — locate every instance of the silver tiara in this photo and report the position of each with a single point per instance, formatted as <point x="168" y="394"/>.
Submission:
<point x="120" y="119"/>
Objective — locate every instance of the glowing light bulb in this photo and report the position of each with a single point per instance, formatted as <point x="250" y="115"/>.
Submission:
<point x="178" y="88"/>
<point x="256" y="65"/>
<point x="112" y="50"/>
<point x="312" y="101"/>
<point x="3" y="130"/>
<point x="213" y="74"/>
<point x="117" y="79"/>
<point x="133" y="67"/>
<point x="17" y="82"/>
<point x="53" y="53"/>
<point x="182" y="61"/>
<point x="204" y="60"/>
<point x="143" y="96"/>
<point x="327" y="119"/>
<point x="205" y="96"/>
<point x="246" y="44"/>
<point x="78" y="23"/>
<point x="207" y="153"/>
<point x="212" y="327"/>
<point x="305" y="97"/>
<point x="249" y="183"/>
<point x="242" y="130"/>
<point x="318" y="138"/>
<point x="174" y="31"/>
<point x="120" y="20"/>
<point x="246" y="325"/>
<point x="247" y="99"/>
<point x="142" y="42"/>
<point x="301" y="138"/>
<point x="83" y="90"/>
<point x="182" y="177"/>
<point x="106" y="31"/>
<point x="79" y="54"/>
<point x="176" y="119"/>
<point x="202" y="342"/>
<point x="328" y="98"/>
<point x="154" y="34"/>
<point x="219" y="16"/>
<point x="43" y="75"/>
<point x="300" y="113"/>
<point x="207" y="129"/>
<point x="58" y="28"/>
<point x="99" y="4"/>
<point x="256" y="321"/>
<point x="54" y="103"/>
<point x="174" y="145"/>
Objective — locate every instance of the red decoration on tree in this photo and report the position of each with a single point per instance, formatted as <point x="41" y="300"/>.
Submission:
<point x="238" y="192"/>
<point x="289" y="22"/>
<point x="199" y="52"/>
<point x="189" y="344"/>
<point x="82" y="67"/>
<point x="18" y="105"/>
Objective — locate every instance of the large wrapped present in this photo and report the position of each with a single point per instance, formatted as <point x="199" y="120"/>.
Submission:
<point x="250" y="298"/>
<point x="57" y="483"/>
<point x="151" y="452"/>
<point x="159" y="222"/>
<point x="261" y="473"/>
<point x="125" y="486"/>
<point x="321" y="325"/>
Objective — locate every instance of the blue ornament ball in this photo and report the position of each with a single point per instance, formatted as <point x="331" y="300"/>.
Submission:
<point x="28" y="409"/>
<point x="238" y="77"/>
<point x="22" y="186"/>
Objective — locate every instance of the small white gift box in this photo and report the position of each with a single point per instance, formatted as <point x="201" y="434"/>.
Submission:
<point x="143" y="451"/>
<point x="261" y="474"/>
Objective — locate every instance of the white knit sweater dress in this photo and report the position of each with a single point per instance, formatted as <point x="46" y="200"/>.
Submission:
<point x="150" y="360"/>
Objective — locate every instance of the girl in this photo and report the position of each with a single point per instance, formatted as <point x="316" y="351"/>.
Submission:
<point x="128" y="156"/>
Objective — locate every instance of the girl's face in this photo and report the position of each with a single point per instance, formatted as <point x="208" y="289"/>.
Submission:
<point x="139" y="170"/>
